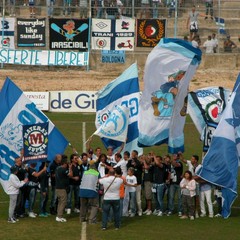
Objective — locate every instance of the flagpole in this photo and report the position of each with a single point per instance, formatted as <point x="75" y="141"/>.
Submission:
<point x="219" y="13"/>
<point x="176" y="19"/>
<point x="3" y="16"/>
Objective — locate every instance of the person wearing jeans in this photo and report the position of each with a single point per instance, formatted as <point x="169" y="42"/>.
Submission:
<point x="176" y="177"/>
<point x="33" y="177"/>
<point x="111" y="198"/>
<point x="160" y="176"/>
<point x="138" y="169"/>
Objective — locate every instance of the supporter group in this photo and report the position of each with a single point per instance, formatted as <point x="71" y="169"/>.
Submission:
<point x="111" y="186"/>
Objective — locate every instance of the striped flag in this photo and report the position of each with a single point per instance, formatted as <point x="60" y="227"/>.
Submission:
<point x="123" y="91"/>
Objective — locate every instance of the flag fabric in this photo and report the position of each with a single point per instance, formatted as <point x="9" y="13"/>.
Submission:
<point x="205" y="106"/>
<point x="168" y="70"/>
<point x="35" y="142"/>
<point x="123" y="91"/>
<point x="220" y="165"/>
<point x="116" y="126"/>
<point x="17" y="110"/>
<point x="220" y="22"/>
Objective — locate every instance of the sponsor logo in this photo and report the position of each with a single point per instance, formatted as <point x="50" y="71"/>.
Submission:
<point x="101" y="25"/>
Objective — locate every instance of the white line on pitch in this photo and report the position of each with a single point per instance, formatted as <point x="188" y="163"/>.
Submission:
<point x="84" y="231"/>
<point x="84" y="136"/>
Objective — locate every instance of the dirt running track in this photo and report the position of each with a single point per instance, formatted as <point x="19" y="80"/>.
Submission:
<point x="62" y="79"/>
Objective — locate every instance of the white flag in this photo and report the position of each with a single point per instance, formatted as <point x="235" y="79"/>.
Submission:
<point x="116" y="126"/>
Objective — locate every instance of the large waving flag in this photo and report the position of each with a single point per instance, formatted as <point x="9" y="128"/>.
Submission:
<point x="123" y="91"/>
<point x="168" y="70"/>
<point x="205" y="106"/>
<point x="220" y="165"/>
<point x="116" y="126"/>
<point x="17" y="110"/>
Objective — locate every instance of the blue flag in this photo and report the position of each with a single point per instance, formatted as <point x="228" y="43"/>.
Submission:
<point x="17" y="110"/>
<point x="220" y="165"/>
<point x="168" y="70"/>
<point x="123" y="91"/>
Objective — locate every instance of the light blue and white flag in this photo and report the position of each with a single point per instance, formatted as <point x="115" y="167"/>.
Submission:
<point x="205" y="106"/>
<point x="123" y="91"/>
<point x="17" y="110"/>
<point x="168" y="70"/>
<point x="220" y="165"/>
<point x="116" y="126"/>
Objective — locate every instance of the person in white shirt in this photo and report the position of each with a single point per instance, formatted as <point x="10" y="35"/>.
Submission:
<point x="121" y="163"/>
<point x="209" y="45"/>
<point x="188" y="186"/>
<point x="131" y="184"/>
<point x="13" y="190"/>
<point x="193" y="167"/>
<point x="111" y="198"/>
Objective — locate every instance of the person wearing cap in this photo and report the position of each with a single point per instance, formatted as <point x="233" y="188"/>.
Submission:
<point x="228" y="45"/>
<point x="13" y="190"/>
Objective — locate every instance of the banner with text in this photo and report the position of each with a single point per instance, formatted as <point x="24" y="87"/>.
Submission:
<point x="45" y="58"/>
<point x="40" y="99"/>
<point x="7" y="33"/>
<point x="68" y="34"/>
<point x="150" y="32"/>
<point x="113" y="34"/>
<point x="111" y="56"/>
<point x="73" y="101"/>
<point x="35" y="142"/>
<point x="31" y="32"/>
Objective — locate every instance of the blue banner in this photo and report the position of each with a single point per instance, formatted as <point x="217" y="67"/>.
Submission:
<point x="35" y="142"/>
<point x="17" y="110"/>
<point x="111" y="56"/>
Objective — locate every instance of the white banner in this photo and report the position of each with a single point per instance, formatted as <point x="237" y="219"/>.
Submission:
<point x="43" y="57"/>
<point x="73" y="101"/>
<point x="41" y="99"/>
<point x="7" y="33"/>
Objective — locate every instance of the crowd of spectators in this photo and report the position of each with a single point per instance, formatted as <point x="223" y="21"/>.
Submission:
<point x="115" y="185"/>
